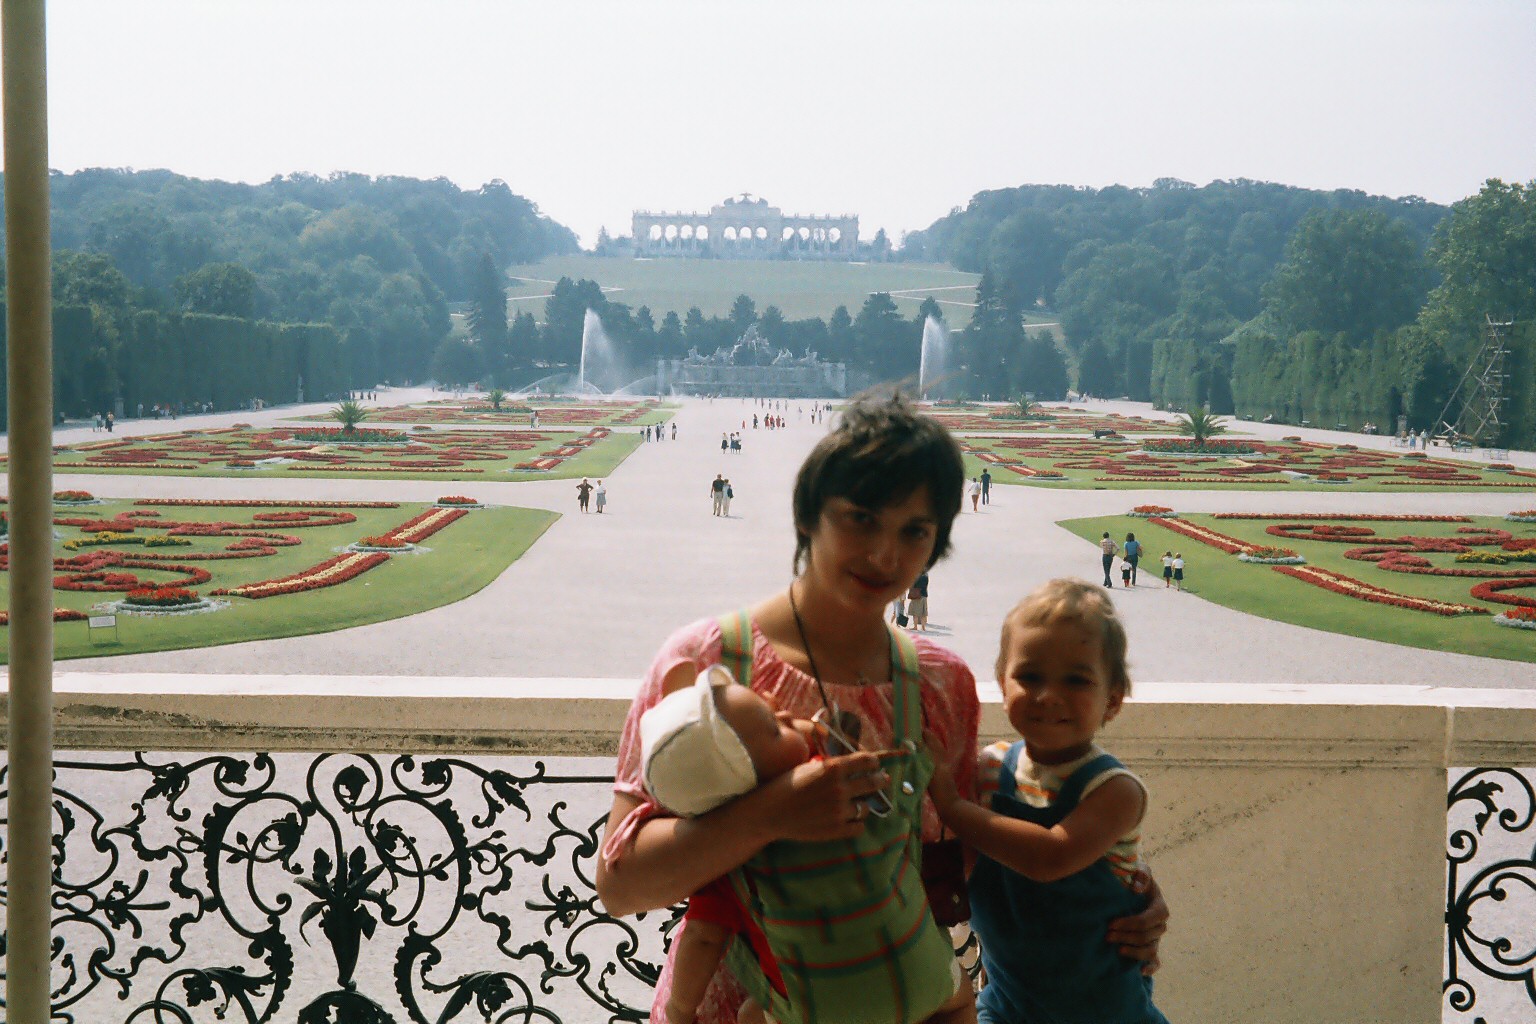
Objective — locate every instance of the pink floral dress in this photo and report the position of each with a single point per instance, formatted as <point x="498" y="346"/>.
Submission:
<point x="950" y="712"/>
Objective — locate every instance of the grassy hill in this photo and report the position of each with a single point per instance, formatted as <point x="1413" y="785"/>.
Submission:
<point x="799" y="289"/>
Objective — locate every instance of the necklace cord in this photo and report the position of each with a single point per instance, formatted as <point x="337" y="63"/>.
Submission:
<point x="805" y="641"/>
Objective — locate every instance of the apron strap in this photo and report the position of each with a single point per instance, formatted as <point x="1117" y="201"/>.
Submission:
<point x="736" y="645"/>
<point x="906" y="690"/>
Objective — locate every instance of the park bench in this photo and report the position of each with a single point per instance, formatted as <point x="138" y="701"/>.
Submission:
<point x="1496" y="454"/>
<point x="102" y="622"/>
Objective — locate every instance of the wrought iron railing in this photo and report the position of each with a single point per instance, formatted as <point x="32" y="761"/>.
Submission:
<point x="362" y="888"/>
<point x="1490" y="896"/>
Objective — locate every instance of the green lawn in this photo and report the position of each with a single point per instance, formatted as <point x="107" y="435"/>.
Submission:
<point x="1260" y="590"/>
<point x="460" y="559"/>
<point x="799" y="289"/>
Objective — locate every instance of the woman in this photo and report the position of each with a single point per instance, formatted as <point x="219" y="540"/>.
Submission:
<point x="873" y="508"/>
<point x="1132" y="551"/>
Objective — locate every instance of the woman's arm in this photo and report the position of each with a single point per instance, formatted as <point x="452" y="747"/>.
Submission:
<point x="1139" y="935"/>
<point x="1044" y="854"/>
<point x="673" y="857"/>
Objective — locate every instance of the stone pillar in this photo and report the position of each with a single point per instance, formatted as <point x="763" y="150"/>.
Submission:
<point x="30" y="364"/>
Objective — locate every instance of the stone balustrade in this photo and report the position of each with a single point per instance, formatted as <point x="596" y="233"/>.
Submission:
<point x="424" y="847"/>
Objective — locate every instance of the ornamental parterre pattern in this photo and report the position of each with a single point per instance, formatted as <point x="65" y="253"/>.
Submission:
<point x="148" y="546"/>
<point x="1086" y="462"/>
<point x="617" y="414"/>
<point x="1047" y="419"/>
<point x="1500" y="561"/>
<point x="235" y="451"/>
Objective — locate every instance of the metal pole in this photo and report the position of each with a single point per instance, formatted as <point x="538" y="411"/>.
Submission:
<point x="29" y="310"/>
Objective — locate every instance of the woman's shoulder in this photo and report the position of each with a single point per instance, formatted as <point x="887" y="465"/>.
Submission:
<point x="695" y="640"/>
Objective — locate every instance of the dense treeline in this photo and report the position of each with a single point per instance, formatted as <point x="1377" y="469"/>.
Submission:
<point x="376" y="261"/>
<point x="1253" y="298"/>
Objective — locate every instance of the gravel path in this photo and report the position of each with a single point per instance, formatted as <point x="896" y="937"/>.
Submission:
<point x="598" y="593"/>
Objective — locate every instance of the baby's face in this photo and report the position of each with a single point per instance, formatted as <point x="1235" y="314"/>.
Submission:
<point x="775" y="741"/>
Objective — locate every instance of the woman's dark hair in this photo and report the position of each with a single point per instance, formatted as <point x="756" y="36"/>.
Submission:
<point x="1130" y="536"/>
<point x="881" y="451"/>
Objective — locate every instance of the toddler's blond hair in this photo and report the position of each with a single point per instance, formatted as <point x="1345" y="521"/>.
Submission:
<point x="1066" y="600"/>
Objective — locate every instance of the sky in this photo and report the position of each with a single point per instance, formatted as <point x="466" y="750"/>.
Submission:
<point x="897" y="111"/>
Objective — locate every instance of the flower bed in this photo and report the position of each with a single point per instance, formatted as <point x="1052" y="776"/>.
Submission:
<point x="1493" y="590"/>
<point x="1519" y="618"/>
<point x="74" y="498"/>
<point x="328" y="573"/>
<point x="1220" y="541"/>
<point x="1189" y="446"/>
<point x="336" y="435"/>
<point x="1348" y="586"/>
<point x="1271" y="556"/>
<point x="59" y="615"/>
<point x="1523" y="516"/>
<point x="162" y="597"/>
<point x="1152" y="511"/>
<point x="380" y="543"/>
<point x="458" y="501"/>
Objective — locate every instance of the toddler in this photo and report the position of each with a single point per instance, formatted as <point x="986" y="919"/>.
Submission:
<point x="1125" y="574"/>
<point x="1059" y="843"/>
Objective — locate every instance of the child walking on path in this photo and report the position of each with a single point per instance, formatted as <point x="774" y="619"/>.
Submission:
<point x="1167" y="569"/>
<point x="1178" y="571"/>
<point x="1059" y="843"/>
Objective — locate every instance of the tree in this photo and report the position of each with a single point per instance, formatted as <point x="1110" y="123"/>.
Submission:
<point x="743" y="314"/>
<point x="993" y="337"/>
<point x="222" y="289"/>
<point x="349" y="414"/>
<point x="457" y="361"/>
<point x="1347" y="272"/>
<point x="1198" y="424"/>
<point x="496" y="396"/>
<point x="840" y="344"/>
<point x="883" y="344"/>
<point x="488" y="304"/>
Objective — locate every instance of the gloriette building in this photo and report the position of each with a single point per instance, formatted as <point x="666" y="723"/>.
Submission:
<point x="745" y="227"/>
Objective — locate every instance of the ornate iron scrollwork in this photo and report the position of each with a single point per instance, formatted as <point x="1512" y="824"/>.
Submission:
<point x="1490" y="888"/>
<point x="338" y="888"/>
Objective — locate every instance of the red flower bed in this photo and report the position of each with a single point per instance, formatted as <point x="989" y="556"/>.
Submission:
<point x="328" y="573"/>
<point x="418" y="528"/>
<point x="1493" y="591"/>
<point x="1343" y="517"/>
<point x="457" y="499"/>
<point x="1348" y="586"/>
<point x="379" y="541"/>
<point x="59" y="615"/>
<point x="162" y="597"/>
<point x="73" y="496"/>
<point x="261" y="503"/>
<point x="1220" y="541"/>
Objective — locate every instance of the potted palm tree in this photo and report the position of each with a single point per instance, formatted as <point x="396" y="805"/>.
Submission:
<point x="496" y="396"/>
<point x="349" y="414"/>
<point x="1199" y="425"/>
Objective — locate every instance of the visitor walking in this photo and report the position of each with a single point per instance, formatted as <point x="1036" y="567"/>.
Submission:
<point x="1167" y="569"/>
<point x="674" y="430"/>
<point x="601" y="496"/>
<point x="725" y="500"/>
<point x="1108" y="549"/>
<point x="986" y="487"/>
<point x="973" y="491"/>
<point x="917" y="603"/>
<point x="725" y="443"/>
<point x="583" y="494"/>
<point x="109" y="421"/>
<point x="717" y="492"/>
<point x="1178" y="570"/>
<point x="1132" y="555"/>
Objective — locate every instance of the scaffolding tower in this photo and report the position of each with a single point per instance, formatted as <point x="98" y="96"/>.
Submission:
<point x="1480" y="392"/>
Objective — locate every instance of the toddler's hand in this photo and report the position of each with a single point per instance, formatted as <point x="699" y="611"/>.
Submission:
<point x="941" y="788"/>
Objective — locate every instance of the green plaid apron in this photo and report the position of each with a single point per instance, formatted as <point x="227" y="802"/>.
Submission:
<point x="848" y="920"/>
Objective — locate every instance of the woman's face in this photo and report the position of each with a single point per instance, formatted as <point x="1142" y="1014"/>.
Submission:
<point x="865" y="558"/>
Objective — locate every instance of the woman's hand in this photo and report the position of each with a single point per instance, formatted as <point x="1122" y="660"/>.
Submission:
<point x="1139" y="935"/>
<point x="821" y="800"/>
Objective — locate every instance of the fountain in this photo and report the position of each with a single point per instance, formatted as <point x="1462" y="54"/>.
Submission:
<point x="933" y="365"/>
<point x="596" y="346"/>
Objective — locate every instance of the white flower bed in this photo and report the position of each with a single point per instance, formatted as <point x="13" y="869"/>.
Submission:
<point x="77" y="504"/>
<point x="1520" y="519"/>
<point x="1244" y="556"/>
<point x="366" y="548"/>
<point x="1505" y="620"/>
<point x="125" y="607"/>
<point x="451" y="504"/>
<point x="1153" y="515"/>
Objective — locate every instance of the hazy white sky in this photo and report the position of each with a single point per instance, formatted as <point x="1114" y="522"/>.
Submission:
<point x="896" y="110"/>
